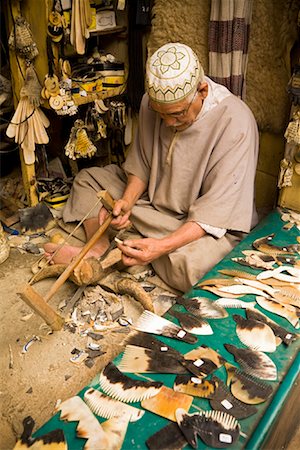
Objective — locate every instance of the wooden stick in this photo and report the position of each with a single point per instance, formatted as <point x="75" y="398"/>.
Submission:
<point x="65" y="275"/>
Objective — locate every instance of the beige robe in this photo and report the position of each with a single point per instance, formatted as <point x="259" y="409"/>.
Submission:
<point x="206" y="176"/>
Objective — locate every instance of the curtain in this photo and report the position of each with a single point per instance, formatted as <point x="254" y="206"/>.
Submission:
<point x="229" y="30"/>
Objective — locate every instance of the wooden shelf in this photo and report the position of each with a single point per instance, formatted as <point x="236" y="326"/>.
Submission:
<point x="107" y="31"/>
<point x="90" y="97"/>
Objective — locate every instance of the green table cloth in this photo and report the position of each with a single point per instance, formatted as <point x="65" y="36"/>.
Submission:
<point x="255" y="428"/>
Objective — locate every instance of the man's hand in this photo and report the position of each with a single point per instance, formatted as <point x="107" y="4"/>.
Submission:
<point x="121" y="213"/>
<point x="141" y="251"/>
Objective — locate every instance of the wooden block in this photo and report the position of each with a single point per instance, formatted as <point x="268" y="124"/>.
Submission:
<point x="9" y="220"/>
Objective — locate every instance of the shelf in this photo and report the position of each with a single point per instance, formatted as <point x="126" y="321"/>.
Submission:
<point x="107" y="31"/>
<point x="90" y="97"/>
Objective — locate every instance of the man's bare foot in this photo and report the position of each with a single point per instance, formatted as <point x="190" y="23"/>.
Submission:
<point x="66" y="253"/>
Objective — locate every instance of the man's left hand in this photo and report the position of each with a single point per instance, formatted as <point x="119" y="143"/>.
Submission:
<point x="141" y="251"/>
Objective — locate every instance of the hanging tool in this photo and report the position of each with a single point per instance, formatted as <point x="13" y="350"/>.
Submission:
<point x="39" y="303"/>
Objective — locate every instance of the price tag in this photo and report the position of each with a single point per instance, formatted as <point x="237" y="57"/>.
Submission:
<point x="196" y="380"/>
<point x="163" y="349"/>
<point x="198" y="362"/>
<point x="181" y="333"/>
<point x="226" y="438"/>
<point x="226" y="404"/>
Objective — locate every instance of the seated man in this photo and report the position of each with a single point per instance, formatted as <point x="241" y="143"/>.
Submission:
<point x="187" y="184"/>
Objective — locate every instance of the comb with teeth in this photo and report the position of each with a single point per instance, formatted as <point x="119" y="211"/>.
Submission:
<point x="152" y="323"/>
<point x="253" y="362"/>
<point x="254" y="334"/>
<point x="107" y="407"/>
<point x="216" y="428"/>
<point x="286" y="336"/>
<point x="144" y="360"/>
<point x="121" y="387"/>
<point x="223" y="400"/>
<point x="245" y="387"/>
<point x="191" y="323"/>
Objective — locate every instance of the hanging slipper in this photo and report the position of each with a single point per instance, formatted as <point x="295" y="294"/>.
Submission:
<point x="21" y="39"/>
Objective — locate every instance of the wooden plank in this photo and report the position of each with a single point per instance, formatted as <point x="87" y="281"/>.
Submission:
<point x="9" y="220"/>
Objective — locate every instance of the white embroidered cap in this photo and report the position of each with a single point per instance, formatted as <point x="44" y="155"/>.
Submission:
<point x="173" y="71"/>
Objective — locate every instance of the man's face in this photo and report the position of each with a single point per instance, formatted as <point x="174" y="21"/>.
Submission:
<point x="182" y="114"/>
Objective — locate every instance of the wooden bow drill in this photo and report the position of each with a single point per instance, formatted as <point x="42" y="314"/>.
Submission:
<point x="36" y="301"/>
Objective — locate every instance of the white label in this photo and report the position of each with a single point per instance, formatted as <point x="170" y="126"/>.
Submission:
<point x="198" y="362"/>
<point x="288" y="336"/>
<point x="196" y="380"/>
<point x="163" y="349"/>
<point x="181" y="333"/>
<point x="227" y="438"/>
<point x="226" y="404"/>
<point x="83" y="93"/>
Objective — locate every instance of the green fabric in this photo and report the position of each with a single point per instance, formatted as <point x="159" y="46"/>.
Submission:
<point x="287" y="360"/>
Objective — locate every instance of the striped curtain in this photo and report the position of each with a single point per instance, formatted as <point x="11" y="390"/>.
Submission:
<point x="229" y="29"/>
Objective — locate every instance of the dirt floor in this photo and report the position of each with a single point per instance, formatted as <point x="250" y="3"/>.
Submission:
<point x="32" y="381"/>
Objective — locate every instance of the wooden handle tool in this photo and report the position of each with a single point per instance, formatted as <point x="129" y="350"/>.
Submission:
<point x="37" y="302"/>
